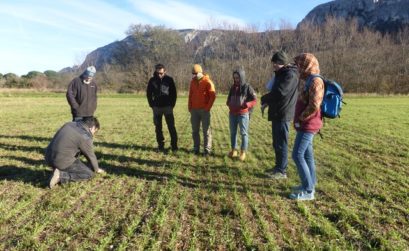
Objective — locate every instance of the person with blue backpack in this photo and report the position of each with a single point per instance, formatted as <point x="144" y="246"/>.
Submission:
<point x="307" y="122"/>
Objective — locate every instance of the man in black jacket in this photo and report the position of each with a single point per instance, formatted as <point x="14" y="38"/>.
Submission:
<point x="161" y="94"/>
<point x="82" y="95"/>
<point x="63" y="152"/>
<point x="281" y="104"/>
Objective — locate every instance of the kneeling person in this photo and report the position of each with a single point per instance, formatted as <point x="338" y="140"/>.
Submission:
<point x="62" y="154"/>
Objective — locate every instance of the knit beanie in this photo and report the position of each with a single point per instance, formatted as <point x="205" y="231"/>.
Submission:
<point x="90" y="71"/>
<point x="280" y="57"/>
<point x="197" y="69"/>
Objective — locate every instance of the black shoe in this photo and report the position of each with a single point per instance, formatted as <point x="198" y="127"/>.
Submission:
<point x="175" y="148"/>
<point x="196" y="152"/>
<point x="207" y="153"/>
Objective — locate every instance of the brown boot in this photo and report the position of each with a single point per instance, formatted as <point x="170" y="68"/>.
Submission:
<point x="242" y="155"/>
<point x="233" y="153"/>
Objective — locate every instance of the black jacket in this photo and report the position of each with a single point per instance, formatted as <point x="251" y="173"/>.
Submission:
<point x="161" y="92"/>
<point x="82" y="97"/>
<point x="283" y="96"/>
<point x="67" y="144"/>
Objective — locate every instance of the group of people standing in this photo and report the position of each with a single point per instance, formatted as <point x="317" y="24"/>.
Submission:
<point x="161" y="94"/>
<point x="288" y="99"/>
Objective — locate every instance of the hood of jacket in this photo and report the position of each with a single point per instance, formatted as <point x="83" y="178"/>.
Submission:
<point x="286" y="68"/>
<point x="307" y="64"/>
<point x="242" y="75"/>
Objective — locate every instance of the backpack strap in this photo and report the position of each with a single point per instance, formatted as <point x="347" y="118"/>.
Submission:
<point x="309" y="80"/>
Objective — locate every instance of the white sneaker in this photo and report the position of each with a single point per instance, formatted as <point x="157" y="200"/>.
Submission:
<point x="303" y="195"/>
<point x="55" y="179"/>
<point x="299" y="189"/>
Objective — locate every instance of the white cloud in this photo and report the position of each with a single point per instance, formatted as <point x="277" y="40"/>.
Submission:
<point x="50" y="34"/>
<point x="72" y="15"/>
<point x="47" y="34"/>
<point x="178" y="15"/>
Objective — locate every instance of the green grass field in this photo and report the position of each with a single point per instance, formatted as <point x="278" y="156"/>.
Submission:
<point x="178" y="201"/>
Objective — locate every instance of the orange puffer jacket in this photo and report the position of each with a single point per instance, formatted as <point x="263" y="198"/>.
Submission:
<point x="201" y="93"/>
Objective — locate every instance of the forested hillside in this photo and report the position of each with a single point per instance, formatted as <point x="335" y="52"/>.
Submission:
<point x="362" y="60"/>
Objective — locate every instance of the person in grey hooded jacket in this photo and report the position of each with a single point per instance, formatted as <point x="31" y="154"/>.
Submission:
<point x="241" y="100"/>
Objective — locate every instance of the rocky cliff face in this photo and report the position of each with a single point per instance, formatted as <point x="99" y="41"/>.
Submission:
<point x="381" y="15"/>
<point x="200" y="40"/>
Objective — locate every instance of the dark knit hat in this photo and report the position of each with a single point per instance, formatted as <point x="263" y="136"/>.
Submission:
<point x="280" y="57"/>
<point x="90" y="71"/>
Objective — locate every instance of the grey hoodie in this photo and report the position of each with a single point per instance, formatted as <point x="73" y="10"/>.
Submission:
<point x="245" y="95"/>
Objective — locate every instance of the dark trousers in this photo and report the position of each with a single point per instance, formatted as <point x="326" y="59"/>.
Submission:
<point x="76" y="172"/>
<point x="280" y="143"/>
<point x="158" y="113"/>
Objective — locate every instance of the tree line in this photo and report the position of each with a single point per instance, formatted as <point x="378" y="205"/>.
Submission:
<point x="362" y="60"/>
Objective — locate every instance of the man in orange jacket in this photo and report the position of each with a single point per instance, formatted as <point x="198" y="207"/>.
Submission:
<point x="201" y="98"/>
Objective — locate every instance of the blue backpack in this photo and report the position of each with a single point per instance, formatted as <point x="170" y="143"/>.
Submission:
<point x="332" y="102"/>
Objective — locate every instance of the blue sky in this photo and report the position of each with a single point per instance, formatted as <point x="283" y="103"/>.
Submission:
<point x="53" y="34"/>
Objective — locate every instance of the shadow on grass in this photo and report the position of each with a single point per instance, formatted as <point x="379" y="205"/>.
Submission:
<point x="22" y="148"/>
<point x="37" y="178"/>
<point x="202" y="169"/>
<point x="26" y="137"/>
<point x="188" y="182"/>
<point x="121" y="158"/>
<point x="229" y="182"/>
<point x="96" y="143"/>
<point x="40" y="178"/>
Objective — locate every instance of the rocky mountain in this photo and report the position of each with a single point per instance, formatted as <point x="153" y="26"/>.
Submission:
<point x="381" y="15"/>
<point x="72" y="69"/>
<point x="199" y="41"/>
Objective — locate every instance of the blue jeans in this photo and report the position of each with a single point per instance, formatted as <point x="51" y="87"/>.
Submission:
<point x="303" y="156"/>
<point x="280" y="144"/>
<point x="241" y="120"/>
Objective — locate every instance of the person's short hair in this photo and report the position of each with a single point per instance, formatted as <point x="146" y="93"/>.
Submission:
<point x="92" y="121"/>
<point x="159" y="67"/>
